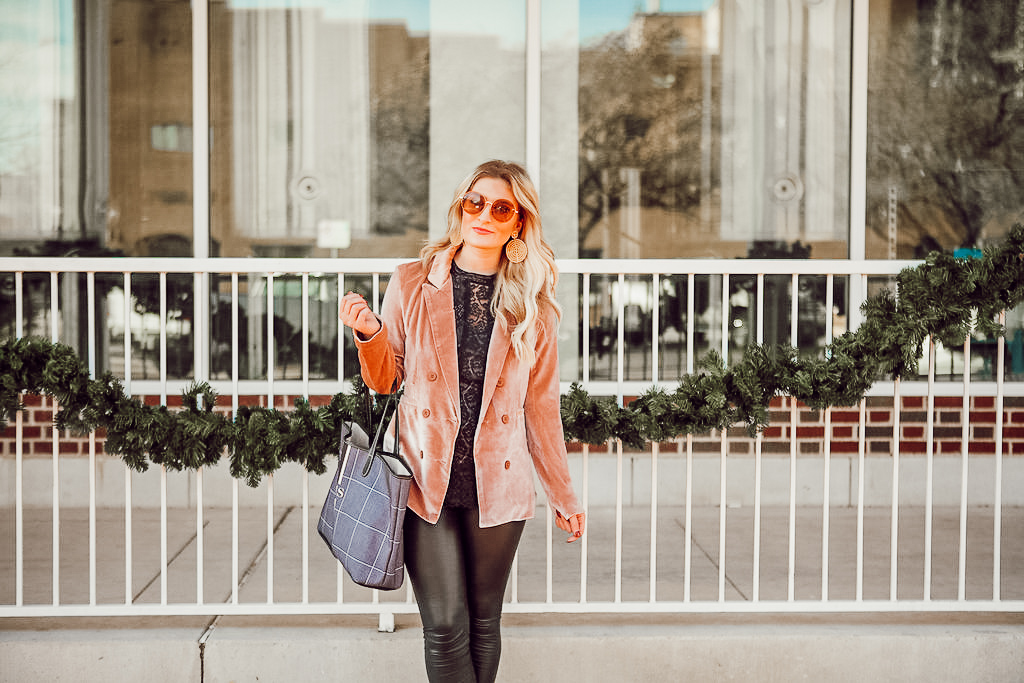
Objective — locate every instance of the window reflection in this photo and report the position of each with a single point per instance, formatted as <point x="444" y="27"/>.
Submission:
<point x="147" y="49"/>
<point x="946" y="141"/>
<point x="697" y="128"/>
<point x="94" y="159"/>
<point x="676" y="301"/>
<point x="36" y="311"/>
<point x="158" y="306"/>
<point x="41" y="196"/>
<point x="949" y="363"/>
<point x="715" y="128"/>
<point x="320" y="115"/>
<point x="723" y="322"/>
<point x="946" y="125"/>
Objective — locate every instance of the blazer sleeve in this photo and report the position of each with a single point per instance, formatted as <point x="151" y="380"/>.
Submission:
<point x="543" y="419"/>
<point x="382" y="356"/>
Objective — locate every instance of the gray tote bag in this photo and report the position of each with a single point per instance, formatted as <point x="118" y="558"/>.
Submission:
<point x="362" y="518"/>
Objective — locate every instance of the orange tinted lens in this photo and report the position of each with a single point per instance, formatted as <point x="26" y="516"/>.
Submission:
<point x="472" y="203"/>
<point x="502" y="211"/>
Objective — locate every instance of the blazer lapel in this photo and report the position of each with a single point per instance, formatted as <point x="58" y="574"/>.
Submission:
<point x="437" y="298"/>
<point x="501" y="342"/>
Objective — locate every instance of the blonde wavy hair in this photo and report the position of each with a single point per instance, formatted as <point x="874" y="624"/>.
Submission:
<point x="524" y="290"/>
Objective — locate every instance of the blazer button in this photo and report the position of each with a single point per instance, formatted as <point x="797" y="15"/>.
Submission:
<point x="426" y="412"/>
<point x="432" y="376"/>
<point x="504" y="419"/>
<point x="501" y="381"/>
<point x="421" y="455"/>
<point x="507" y="464"/>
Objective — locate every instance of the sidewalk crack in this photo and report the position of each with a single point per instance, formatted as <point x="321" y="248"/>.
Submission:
<point x="712" y="560"/>
<point x="170" y="561"/>
<point x="242" y="580"/>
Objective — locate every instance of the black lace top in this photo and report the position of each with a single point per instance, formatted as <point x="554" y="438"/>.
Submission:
<point x="471" y="294"/>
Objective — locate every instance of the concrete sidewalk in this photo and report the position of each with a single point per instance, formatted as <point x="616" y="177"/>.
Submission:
<point x="641" y="646"/>
<point x="541" y="648"/>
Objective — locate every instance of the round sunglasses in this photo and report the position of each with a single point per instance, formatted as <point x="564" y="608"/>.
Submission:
<point x="502" y="210"/>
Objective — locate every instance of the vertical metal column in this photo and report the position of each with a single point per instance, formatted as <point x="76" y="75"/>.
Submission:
<point x="200" y="233"/>
<point x="533" y="89"/>
<point x="688" y="524"/>
<point x="758" y="439"/>
<point x="723" y="475"/>
<point x="929" y="472"/>
<point x="271" y="370"/>
<point x="128" y="547"/>
<point x="163" y="468"/>
<point x="794" y="317"/>
<point x="895" y="513"/>
<point x="965" y="434"/>
<point x="90" y="287"/>
<point x="858" y="151"/>
<point x="997" y="498"/>
<point x="826" y="449"/>
<point x="305" y="473"/>
<point x="55" y="443"/>
<point x="19" y="445"/>
<point x="234" y="416"/>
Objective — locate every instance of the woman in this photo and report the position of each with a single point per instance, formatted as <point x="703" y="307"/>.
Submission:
<point x="470" y="331"/>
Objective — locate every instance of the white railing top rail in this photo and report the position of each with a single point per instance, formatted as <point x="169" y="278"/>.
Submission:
<point x="32" y="264"/>
<point x="734" y="266"/>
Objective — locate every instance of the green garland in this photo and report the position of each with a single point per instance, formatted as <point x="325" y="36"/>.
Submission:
<point x="944" y="296"/>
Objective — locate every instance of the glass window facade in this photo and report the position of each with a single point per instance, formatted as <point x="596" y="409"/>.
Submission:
<point x="338" y="128"/>
<point x="945" y="153"/>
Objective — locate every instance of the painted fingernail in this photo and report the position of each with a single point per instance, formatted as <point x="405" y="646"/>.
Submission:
<point x="578" y="534"/>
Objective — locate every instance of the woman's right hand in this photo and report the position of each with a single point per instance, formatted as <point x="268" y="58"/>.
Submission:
<point x="356" y="313"/>
<point x="575" y="525"/>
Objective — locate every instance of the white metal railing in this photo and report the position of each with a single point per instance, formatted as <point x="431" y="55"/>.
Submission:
<point x="658" y="536"/>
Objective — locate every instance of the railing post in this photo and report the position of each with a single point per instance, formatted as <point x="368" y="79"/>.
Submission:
<point x="386" y="622"/>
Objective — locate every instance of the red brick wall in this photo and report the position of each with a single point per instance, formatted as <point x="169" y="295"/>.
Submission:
<point x="37" y="422"/>
<point x="844" y="428"/>
<point x="809" y="431"/>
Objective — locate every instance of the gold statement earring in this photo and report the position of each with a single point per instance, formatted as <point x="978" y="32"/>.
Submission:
<point x="515" y="249"/>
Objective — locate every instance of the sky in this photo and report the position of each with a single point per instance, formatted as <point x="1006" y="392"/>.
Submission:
<point x="597" y="17"/>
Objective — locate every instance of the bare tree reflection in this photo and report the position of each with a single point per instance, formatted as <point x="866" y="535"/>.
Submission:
<point x="640" y="104"/>
<point x="946" y="128"/>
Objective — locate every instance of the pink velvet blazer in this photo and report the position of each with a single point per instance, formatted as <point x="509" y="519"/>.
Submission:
<point x="520" y="427"/>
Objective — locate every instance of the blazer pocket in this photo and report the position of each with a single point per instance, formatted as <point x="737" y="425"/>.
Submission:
<point x="425" y="433"/>
<point x="511" y="437"/>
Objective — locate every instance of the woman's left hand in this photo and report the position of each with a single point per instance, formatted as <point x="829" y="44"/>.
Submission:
<point x="574" y="525"/>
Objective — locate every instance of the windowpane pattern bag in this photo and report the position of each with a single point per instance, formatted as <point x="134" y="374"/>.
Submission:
<point x="362" y="518"/>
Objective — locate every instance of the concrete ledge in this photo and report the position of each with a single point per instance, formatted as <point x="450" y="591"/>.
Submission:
<point x="835" y="652"/>
<point x="563" y="648"/>
<point x="155" y="655"/>
<point x="315" y="653"/>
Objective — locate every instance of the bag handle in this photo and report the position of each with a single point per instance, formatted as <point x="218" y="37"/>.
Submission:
<point x="380" y="431"/>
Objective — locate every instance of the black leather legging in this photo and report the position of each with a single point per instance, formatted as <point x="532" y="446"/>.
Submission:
<point x="459" y="573"/>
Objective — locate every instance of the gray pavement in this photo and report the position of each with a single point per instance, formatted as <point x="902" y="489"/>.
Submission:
<point x="531" y="571"/>
<point x="640" y="645"/>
